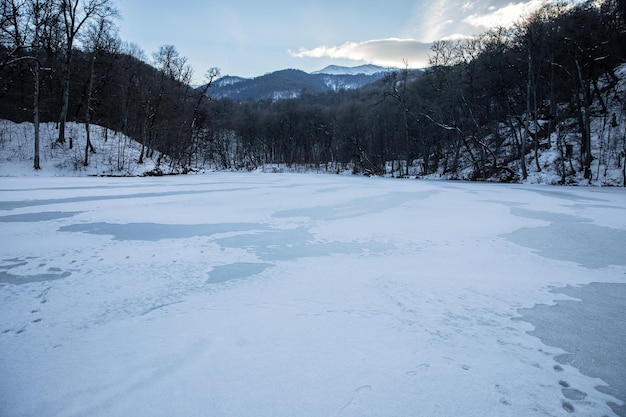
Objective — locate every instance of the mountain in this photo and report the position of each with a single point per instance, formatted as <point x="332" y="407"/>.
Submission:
<point x="281" y="84"/>
<point x="361" y="69"/>
<point x="291" y="83"/>
<point x="229" y="80"/>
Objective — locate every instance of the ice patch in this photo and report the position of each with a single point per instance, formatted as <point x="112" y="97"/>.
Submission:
<point x="156" y="231"/>
<point x="237" y="270"/>
<point x="290" y="244"/>
<point x="570" y="238"/>
<point x="8" y="278"/>
<point x="593" y="331"/>
<point x="38" y="217"/>
<point x="357" y="207"/>
<point x="10" y="205"/>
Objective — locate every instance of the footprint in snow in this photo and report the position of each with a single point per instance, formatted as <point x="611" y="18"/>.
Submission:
<point x="418" y="370"/>
<point x="573" y="394"/>
<point x="357" y="397"/>
<point x="568" y="407"/>
<point x="505" y="395"/>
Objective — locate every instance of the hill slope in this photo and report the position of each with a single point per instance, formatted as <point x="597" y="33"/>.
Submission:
<point x="115" y="153"/>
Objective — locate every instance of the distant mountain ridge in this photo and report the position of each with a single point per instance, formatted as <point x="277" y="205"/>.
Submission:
<point x="368" y="69"/>
<point x="290" y="83"/>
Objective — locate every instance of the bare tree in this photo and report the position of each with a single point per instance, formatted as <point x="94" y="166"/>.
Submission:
<point x="75" y="14"/>
<point x="397" y="87"/>
<point x="101" y="38"/>
<point x="211" y="75"/>
<point x="166" y="101"/>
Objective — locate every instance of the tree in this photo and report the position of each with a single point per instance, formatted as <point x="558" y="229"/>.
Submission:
<point x="173" y="70"/>
<point x="101" y="39"/>
<point x="397" y="88"/>
<point x="196" y="123"/>
<point x="75" y="14"/>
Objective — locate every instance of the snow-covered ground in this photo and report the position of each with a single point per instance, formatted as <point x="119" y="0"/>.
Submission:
<point x="115" y="154"/>
<point x="233" y="294"/>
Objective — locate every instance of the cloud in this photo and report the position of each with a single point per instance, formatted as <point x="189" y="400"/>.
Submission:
<point x="392" y="52"/>
<point x="503" y="16"/>
<point x="456" y="37"/>
<point x="437" y="19"/>
<point x="428" y="21"/>
<point x="432" y="20"/>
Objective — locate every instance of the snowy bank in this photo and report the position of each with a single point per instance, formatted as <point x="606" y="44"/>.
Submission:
<point x="115" y="154"/>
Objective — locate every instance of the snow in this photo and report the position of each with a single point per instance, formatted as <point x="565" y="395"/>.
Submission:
<point x="116" y="154"/>
<point x="361" y="69"/>
<point x="251" y="294"/>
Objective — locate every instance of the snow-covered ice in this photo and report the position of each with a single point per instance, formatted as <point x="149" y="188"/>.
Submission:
<point x="233" y="294"/>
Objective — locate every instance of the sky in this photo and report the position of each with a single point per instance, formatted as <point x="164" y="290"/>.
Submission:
<point x="249" y="39"/>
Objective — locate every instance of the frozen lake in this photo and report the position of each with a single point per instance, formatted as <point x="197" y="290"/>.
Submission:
<point x="310" y="295"/>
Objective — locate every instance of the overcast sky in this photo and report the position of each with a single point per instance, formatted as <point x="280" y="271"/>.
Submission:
<point x="248" y="38"/>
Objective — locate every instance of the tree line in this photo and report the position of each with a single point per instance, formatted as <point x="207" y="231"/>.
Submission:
<point x="483" y="105"/>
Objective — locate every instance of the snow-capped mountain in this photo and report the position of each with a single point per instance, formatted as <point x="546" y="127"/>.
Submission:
<point x="291" y="83"/>
<point x="229" y="80"/>
<point x="361" y="69"/>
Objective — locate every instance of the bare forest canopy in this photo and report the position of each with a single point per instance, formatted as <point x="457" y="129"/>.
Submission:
<point x="484" y="109"/>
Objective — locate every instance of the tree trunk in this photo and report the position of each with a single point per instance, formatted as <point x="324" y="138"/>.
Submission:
<point x="553" y="109"/>
<point x="88" y="146"/>
<point x="66" y="99"/>
<point x="536" y="123"/>
<point x="624" y="169"/>
<point x="36" y="164"/>
<point x="526" y="121"/>
<point x="408" y="140"/>
<point x="585" y="122"/>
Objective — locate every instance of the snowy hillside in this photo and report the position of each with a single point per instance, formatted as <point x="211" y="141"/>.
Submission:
<point x="557" y="158"/>
<point x="227" y="80"/>
<point x="116" y="154"/>
<point x="361" y="69"/>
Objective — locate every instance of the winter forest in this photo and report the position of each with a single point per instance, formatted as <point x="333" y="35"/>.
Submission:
<point x="543" y="95"/>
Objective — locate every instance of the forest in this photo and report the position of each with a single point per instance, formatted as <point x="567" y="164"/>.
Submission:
<point x="484" y="109"/>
